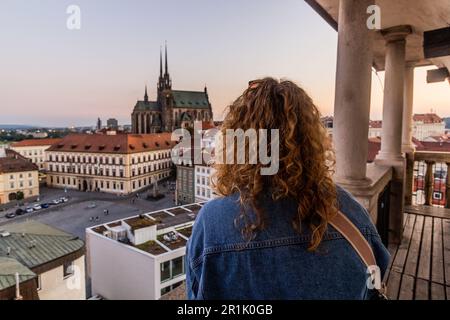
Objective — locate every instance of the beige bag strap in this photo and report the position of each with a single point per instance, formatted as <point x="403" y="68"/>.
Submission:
<point x="350" y="232"/>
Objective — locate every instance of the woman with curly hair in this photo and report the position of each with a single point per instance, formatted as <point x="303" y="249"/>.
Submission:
<point x="270" y="236"/>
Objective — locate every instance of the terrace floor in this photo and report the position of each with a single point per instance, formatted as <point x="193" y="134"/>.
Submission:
<point x="420" y="265"/>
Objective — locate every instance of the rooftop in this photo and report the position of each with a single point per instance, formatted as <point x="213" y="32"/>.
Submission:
<point x="14" y="162"/>
<point x="427" y="118"/>
<point x="35" y="142"/>
<point x="174" y="227"/>
<point x="138" y="222"/>
<point x="190" y="99"/>
<point x="119" y="143"/>
<point x="29" y="245"/>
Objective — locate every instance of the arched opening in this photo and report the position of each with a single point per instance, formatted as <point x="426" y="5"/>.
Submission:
<point x="12" y="196"/>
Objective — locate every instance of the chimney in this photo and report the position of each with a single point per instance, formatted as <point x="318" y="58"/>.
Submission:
<point x="18" y="296"/>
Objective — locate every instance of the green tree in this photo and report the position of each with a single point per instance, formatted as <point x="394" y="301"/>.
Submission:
<point x="20" y="195"/>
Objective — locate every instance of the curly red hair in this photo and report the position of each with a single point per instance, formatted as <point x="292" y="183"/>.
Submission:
<point x="306" y="158"/>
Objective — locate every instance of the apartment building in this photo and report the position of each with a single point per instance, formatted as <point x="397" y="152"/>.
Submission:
<point x="111" y="162"/>
<point x="427" y="125"/>
<point x="34" y="149"/>
<point x="140" y="257"/>
<point x="203" y="187"/>
<point x="40" y="262"/>
<point x="18" y="177"/>
<point x="423" y="126"/>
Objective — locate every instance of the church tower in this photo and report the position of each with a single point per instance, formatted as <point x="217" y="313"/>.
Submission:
<point x="165" y="92"/>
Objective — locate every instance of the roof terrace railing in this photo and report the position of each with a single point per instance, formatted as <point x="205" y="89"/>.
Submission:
<point x="428" y="180"/>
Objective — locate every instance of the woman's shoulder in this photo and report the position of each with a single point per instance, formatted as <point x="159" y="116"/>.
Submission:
<point x="354" y="210"/>
<point x="219" y="208"/>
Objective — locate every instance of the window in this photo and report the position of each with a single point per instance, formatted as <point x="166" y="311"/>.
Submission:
<point x="165" y="271"/>
<point x="68" y="269"/>
<point x="177" y="267"/>
<point x="437" y="195"/>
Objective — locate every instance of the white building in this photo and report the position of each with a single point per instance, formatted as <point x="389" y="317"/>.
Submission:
<point x="141" y="257"/>
<point x="34" y="149"/>
<point x="427" y="125"/>
<point x="203" y="187"/>
<point x="49" y="263"/>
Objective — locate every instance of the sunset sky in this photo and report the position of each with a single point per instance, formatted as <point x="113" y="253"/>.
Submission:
<point x="52" y="76"/>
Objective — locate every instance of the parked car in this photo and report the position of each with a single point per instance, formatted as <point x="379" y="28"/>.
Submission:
<point x="37" y="207"/>
<point x="92" y="205"/>
<point x="45" y="205"/>
<point x="56" y="201"/>
<point x="10" y="215"/>
<point x="63" y="199"/>
<point x="19" y="212"/>
<point x="29" y="210"/>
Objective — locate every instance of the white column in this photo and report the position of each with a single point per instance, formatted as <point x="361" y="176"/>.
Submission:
<point x="408" y="94"/>
<point x="353" y="86"/>
<point x="391" y="135"/>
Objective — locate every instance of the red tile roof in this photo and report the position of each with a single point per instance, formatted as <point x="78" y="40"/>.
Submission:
<point x="427" y="118"/>
<point x="375" y="123"/>
<point x="443" y="146"/>
<point x="119" y="143"/>
<point x="35" y="142"/>
<point x="206" y="125"/>
<point x="14" y="162"/>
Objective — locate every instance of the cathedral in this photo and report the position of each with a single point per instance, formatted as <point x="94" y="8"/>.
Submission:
<point x="172" y="109"/>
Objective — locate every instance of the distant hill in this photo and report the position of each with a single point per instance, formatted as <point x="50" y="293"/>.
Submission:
<point x="447" y="122"/>
<point x="16" y="126"/>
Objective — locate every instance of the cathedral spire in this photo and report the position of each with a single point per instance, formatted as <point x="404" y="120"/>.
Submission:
<point x="167" y="69"/>
<point x="160" y="62"/>
<point x="146" y="95"/>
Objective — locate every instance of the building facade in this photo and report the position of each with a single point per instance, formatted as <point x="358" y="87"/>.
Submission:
<point x="203" y="187"/>
<point x="112" y="124"/>
<point x="18" y="177"/>
<point x="49" y="263"/>
<point x="423" y="126"/>
<point x="34" y="149"/>
<point x="172" y="108"/>
<point x="147" y="251"/>
<point x="185" y="183"/>
<point x="112" y="162"/>
<point x="427" y="125"/>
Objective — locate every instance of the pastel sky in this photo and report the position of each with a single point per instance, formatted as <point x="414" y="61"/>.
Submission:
<point x="52" y="76"/>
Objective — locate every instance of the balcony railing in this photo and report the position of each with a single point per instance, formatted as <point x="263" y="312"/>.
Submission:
<point x="428" y="181"/>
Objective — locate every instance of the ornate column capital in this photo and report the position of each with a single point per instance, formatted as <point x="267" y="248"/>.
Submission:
<point x="397" y="33"/>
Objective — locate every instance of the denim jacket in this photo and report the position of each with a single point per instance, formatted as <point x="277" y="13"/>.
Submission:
<point x="276" y="264"/>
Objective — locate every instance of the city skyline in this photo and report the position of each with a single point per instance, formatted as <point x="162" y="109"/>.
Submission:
<point x="52" y="76"/>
